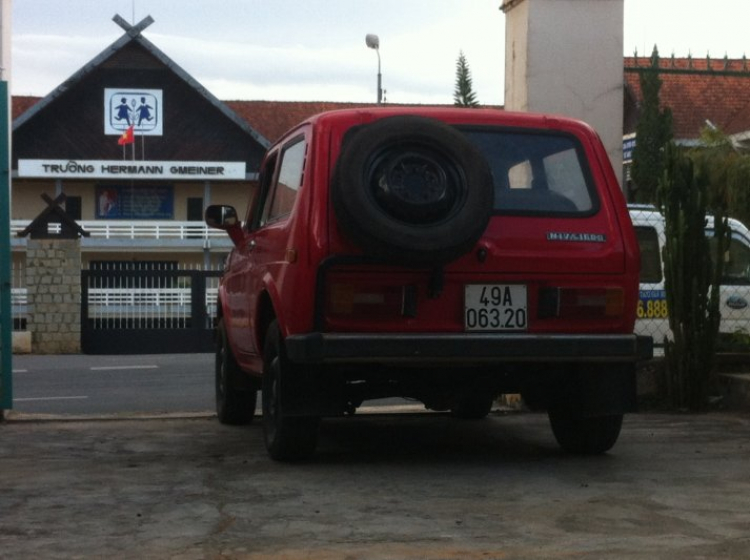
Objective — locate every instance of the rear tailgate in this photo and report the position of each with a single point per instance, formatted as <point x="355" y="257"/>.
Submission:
<point x="552" y="259"/>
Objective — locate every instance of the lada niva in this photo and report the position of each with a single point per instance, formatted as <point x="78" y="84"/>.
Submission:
<point x="440" y="254"/>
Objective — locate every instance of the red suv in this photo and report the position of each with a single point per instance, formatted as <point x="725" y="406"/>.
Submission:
<point x="441" y="254"/>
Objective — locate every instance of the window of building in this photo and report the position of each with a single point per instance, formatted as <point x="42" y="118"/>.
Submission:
<point x="194" y="209"/>
<point x="73" y="207"/>
<point x="135" y="202"/>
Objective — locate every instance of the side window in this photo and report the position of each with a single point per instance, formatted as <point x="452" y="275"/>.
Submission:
<point x="281" y="198"/>
<point x="736" y="262"/>
<point x="648" y="242"/>
<point x="255" y="207"/>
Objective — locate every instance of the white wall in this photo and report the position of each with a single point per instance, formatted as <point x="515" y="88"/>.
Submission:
<point x="566" y="57"/>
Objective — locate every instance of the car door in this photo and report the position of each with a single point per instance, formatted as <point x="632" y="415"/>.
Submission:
<point x="269" y="239"/>
<point x="241" y="268"/>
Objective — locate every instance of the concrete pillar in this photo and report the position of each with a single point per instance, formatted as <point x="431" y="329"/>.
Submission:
<point x="53" y="282"/>
<point x="566" y="57"/>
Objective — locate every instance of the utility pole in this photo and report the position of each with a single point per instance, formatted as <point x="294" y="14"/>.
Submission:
<point x="6" y="320"/>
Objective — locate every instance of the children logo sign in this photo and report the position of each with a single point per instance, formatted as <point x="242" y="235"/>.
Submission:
<point x="140" y="109"/>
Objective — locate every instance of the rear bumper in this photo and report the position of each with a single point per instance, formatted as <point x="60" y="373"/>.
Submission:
<point x="465" y="348"/>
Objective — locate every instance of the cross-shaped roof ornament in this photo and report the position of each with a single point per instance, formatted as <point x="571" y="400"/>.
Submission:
<point x="133" y="30"/>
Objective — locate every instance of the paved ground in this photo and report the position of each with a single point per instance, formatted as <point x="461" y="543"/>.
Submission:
<point x="381" y="487"/>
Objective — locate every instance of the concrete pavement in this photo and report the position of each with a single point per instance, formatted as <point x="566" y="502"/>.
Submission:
<point x="388" y="486"/>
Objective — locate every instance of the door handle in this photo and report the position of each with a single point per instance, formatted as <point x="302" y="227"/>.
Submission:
<point x="251" y="245"/>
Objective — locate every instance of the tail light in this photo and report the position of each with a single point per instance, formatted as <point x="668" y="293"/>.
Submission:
<point x="370" y="299"/>
<point x="581" y="302"/>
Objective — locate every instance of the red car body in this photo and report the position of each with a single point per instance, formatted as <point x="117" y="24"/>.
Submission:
<point x="554" y="267"/>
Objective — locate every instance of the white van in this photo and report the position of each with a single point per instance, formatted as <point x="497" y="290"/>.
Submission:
<point x="652" y="305"/>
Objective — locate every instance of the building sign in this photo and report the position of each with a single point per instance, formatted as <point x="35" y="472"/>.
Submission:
<point x="125" y="169"/>
<point x="140" y="108"/>
<point x="134" y="202"/>
<point x="628" y="145"/>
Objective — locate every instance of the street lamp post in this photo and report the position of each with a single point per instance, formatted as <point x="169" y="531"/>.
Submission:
<point x="373" y="42"/>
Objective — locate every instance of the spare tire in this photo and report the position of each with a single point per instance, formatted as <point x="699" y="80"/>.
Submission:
<point x="412" y="190"/>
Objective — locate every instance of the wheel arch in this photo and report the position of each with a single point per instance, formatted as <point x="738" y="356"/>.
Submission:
<point x="265" y="314"/>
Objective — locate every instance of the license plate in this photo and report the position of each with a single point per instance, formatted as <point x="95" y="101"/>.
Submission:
<point x="495" y="307"/>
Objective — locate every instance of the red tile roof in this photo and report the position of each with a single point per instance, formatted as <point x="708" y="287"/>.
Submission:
<point x="273" y="118"/>
<point x="21" y="103"/>
<point x="697" y="90"/>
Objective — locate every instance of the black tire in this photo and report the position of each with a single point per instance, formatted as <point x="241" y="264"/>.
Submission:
<point x="585" y="435"/>
<point x="287" y="438"/>
<point x="234" y="406"/>
<point x="474" y="407"/>
<point x="412" y="190"/>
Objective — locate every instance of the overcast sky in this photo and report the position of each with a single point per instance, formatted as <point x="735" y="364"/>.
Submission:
<point x="314" y="50"/>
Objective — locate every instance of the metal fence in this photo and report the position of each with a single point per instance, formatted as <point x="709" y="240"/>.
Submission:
<point x="136" y="229"/>
<point x="145" y="295"/>
<point x="19" y="297"/>
<point x="147" y="307"/>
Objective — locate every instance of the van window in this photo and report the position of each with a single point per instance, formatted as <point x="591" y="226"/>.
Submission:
<point x="648" y="243"/>
<point x="536" y="173"/>
<point x="736" y="261"/>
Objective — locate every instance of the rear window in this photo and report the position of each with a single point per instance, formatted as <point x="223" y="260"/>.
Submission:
<point x="536" y="173"/>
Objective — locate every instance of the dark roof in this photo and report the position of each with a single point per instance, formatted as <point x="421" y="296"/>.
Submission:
<point x="132" y="35"/>
<point x="271" y="119"/>
<point x="697" y="90"/>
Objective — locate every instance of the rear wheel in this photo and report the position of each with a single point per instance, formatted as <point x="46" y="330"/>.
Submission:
<point x="234" y="405"/>
<point x="473" y="407"/>
<point x="585" y="435"/>
<point x="287" y="438"/>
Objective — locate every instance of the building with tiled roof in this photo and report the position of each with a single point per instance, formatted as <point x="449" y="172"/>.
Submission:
<point x="160" y="197"/>
<point x="695" y="89"/>
<point x="698" y="91"/>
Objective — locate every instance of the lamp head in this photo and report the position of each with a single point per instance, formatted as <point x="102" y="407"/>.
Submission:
<point x="372" y="41"/>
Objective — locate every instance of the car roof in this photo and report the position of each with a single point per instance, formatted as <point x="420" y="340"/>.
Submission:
<point x="454" y="115"/>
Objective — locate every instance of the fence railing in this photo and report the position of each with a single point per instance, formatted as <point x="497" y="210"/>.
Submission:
<point x="146" y="229"/>
<point x="150" y="302"/>
<point x="147" y="305"/>
<point x="18" y="298"/>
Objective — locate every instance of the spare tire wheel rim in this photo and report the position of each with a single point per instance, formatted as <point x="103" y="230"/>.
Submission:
<point x="414" y="185"/>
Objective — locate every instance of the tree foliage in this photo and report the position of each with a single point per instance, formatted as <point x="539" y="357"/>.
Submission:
<point x="653" y="131"/>
<point x="464" y="95"/>
<point x="693" y="269"/>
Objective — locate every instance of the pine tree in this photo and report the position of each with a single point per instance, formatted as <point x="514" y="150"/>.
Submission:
<point x="464" y="96"/>
<point x="653" y="132"/>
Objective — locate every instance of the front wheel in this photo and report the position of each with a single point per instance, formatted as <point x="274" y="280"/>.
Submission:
<point x="287" y="438"/>
<point x="585" y="435"/>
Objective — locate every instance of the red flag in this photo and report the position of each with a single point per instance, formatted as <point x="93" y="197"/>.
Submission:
<point x="128" y="137"/>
